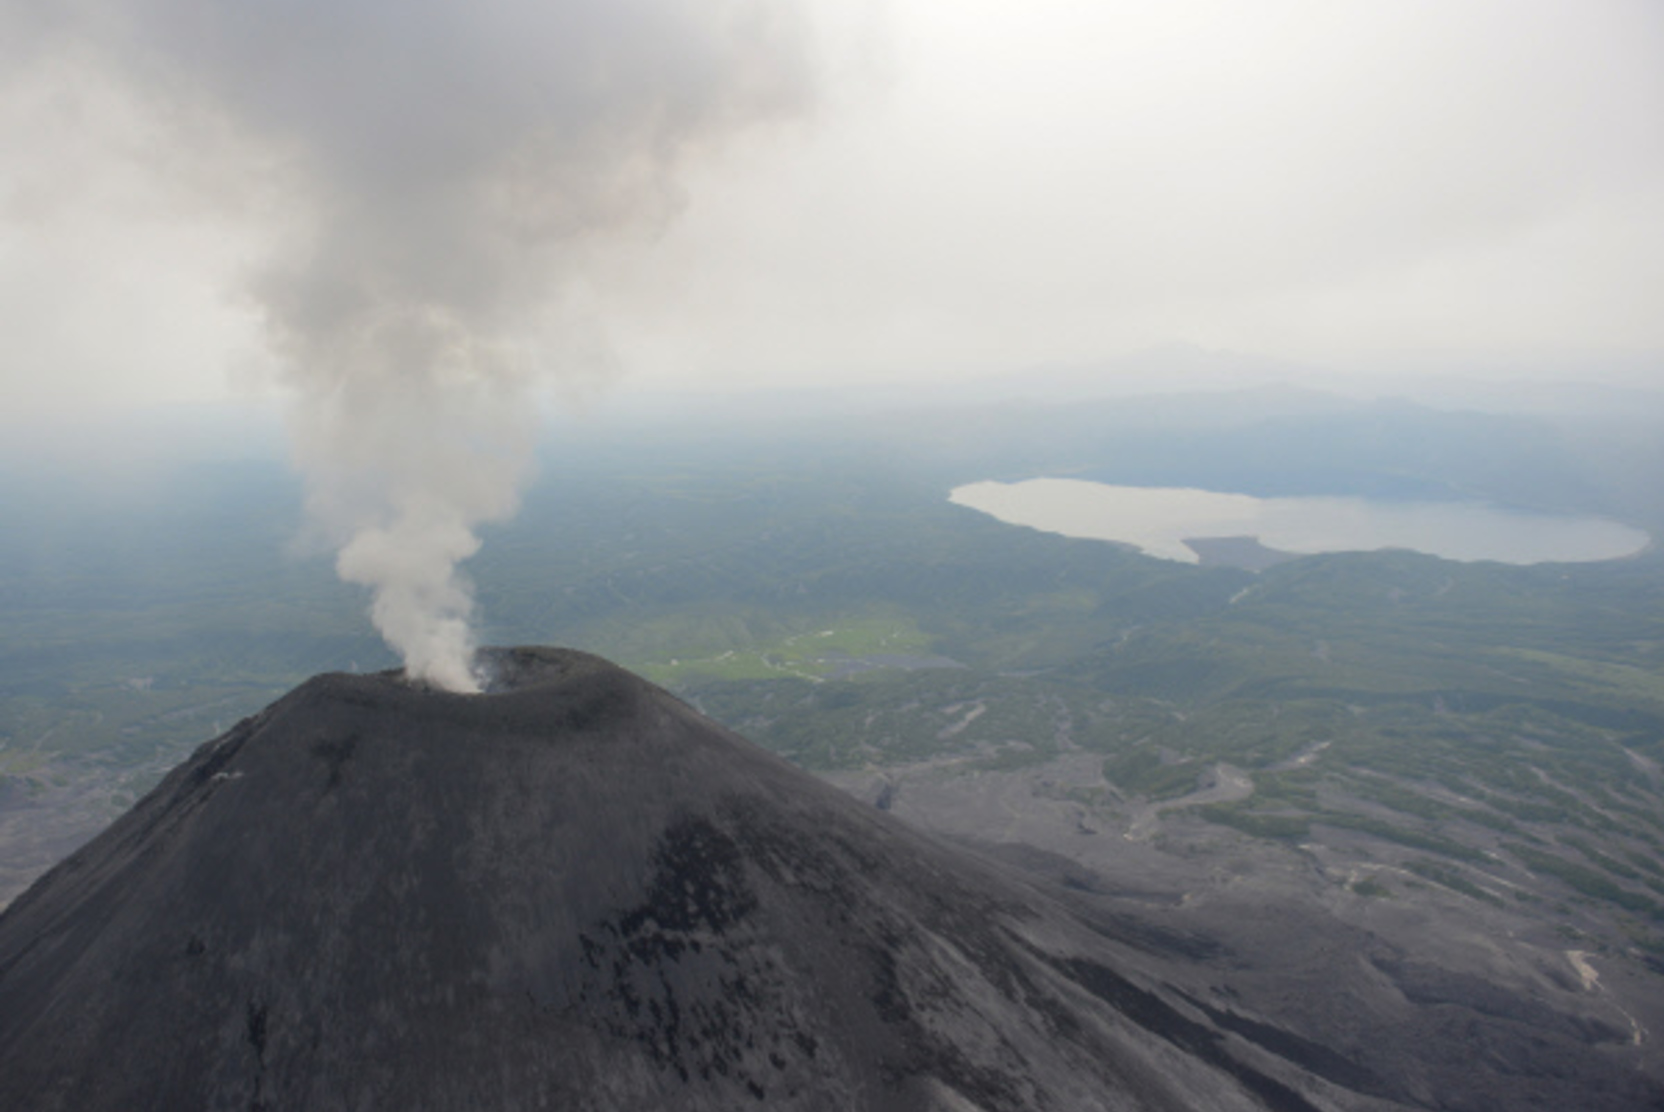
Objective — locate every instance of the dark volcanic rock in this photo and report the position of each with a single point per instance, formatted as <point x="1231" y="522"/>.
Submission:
<point x="572" y="893"/>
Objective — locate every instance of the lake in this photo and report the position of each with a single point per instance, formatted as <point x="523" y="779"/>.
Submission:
<point x="1160" y="520"/>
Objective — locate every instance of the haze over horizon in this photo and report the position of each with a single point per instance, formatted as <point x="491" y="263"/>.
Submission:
<point x="410" y="227"/>
<point x="1354" y="188"/>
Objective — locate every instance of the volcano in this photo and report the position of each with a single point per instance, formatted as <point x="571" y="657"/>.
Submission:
<point x="572" y="892"/>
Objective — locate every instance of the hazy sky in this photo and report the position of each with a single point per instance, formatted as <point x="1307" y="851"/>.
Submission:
<point x="978" y="187"/>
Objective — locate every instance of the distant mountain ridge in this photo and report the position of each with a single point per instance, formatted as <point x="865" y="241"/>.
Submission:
<point x="574" y="892"/>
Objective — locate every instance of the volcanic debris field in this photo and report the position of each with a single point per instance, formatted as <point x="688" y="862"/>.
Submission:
<point x="1401" y="810"/>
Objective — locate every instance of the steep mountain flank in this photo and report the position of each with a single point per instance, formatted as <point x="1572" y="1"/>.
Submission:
<point x="575" y="892"/>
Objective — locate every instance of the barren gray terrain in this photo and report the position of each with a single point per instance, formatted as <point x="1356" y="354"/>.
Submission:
<point x="1404" y="989"/>
<point x="1397" y="818"/>
<point x="575" y="892"/>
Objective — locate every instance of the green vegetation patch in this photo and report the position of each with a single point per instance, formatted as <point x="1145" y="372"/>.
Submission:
<point x="1144" y="771"/>
<point x="1389" y="794"/>
<point x="1616" y="868"/>
<point x="1386" y="831"/>
<point x="1584" y="879"/>
<point x="1450" y="878"/>
<point x="1258" y="824"/>
<point x="1626" y="681"/>
<point x="715" y="650"/>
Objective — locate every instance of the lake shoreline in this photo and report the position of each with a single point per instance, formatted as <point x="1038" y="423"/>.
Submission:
<point x="1218" y="528"/>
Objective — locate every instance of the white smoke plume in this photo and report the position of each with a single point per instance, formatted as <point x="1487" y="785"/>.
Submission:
<point x="438" y="170"/>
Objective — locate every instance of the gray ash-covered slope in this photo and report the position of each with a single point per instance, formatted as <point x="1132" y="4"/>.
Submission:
<point x="575" y="893"/>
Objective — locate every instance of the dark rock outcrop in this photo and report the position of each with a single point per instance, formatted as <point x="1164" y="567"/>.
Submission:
<point x="573" y="893"/>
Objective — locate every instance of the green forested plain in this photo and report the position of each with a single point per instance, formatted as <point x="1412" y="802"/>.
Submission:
<point x="820" y="594"/>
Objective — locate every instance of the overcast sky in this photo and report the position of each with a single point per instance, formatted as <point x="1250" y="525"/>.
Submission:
<point x="975" y="187"/>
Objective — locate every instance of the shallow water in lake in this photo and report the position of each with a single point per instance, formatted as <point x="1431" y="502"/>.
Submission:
<point x="1158" y="520"/>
